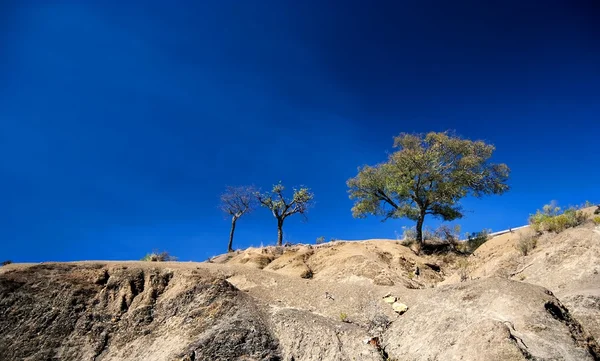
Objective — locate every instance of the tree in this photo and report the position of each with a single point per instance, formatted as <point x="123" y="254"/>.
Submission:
<point x="237" y="201"/>
<point x="282" y="207"/>
<point x="428" y="175"/>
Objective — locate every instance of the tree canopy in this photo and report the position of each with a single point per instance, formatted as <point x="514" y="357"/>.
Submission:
<point x="283" y="207"/>
<point x="237" y="201"/>
<point x="427" y="175"/>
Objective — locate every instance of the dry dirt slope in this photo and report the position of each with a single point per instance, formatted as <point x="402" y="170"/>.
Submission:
<point x="285" y="304"/>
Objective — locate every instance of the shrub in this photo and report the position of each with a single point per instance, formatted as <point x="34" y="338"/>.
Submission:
<point x="447" y="234"/>
<point x="475" y="240"/>
<point x="596" y="220"/>
<point x="7" y="262"/>
<point x="463" y="269"/>
<point x="409" y="236"/>
<point x="597" y="211"/>
<point x="320" y="240"/>
<point x="553" y="219"/>
<point x="159" y="257"/>
<point x="444" y="235"/>
<point x="527" y="242"/>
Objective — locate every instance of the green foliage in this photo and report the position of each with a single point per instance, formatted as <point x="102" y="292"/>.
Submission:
<point x="159" y="257"/>
<point x="429" y="174"/>
<point x="476" y="239"/>
<point x="283" y="207"/>
<point x="7" y="262"/>
<point x="596" y="220"/>
<point x="320" y="240"/>
<point x="553" y="219"/>
<point x="344" y="317"/>
<point x="527" y="242"/>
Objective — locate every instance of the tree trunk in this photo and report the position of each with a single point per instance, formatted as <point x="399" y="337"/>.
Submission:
<point x="230" y="246"/>
<point x="420" y="229"/>
<point x="279" y="232"/>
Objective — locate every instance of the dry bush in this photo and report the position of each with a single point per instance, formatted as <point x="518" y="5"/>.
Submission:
<point x="596" y="220"/>
<point x="441" y="240"/>
<point x="159" y="257"/>
<point x="476" y="239"/>
<point x="377" y="321"/>
<point x="409" y="237"/>
<point x="463" y="269"/>
<point x="7" y="262"/>
<point x="527" y="242"/>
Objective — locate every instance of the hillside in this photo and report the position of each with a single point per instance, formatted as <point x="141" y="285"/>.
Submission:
<point x="325" y="302"/>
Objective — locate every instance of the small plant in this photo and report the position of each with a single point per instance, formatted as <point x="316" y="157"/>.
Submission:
<point x="307" y="274"/>
<point x="463" y="269"/>
<point x="159" y="257"/>
<point x="597" y="211"/>
<point x="344" y="317"/>
<point x="320" y="240"/>
<point x="596" y="220"/>
<point x="527" y="242"/>
<point x="7" y="262"/>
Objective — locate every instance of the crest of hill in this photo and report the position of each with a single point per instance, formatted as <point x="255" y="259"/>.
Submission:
<point x="376" y="261"/>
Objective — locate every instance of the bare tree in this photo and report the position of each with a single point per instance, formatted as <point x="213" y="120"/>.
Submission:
<point x="282" y="208"/>
<point x="237" y="201"/>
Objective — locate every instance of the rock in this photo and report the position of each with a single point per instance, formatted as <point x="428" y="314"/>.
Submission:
<point x="488" y="319"/>
<point x="389" y="299"/>
<point x="399" y="307"/>
<point x="61" y="312"/>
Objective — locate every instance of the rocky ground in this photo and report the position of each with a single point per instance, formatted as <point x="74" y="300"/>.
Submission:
<point x="329" y="302"/>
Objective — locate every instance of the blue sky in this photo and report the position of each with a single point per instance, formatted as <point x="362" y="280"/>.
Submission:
<point x="121" y="124"/>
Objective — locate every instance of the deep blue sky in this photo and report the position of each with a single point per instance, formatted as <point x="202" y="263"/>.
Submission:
<point x="120" y="125"/>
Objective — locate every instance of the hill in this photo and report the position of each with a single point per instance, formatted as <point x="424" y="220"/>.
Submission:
<point x="360" y="300"/>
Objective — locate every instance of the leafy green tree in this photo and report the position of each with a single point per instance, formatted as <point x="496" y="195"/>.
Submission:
<point x="237" y="201"/>
<point x="427" y="175"/>
<point x="283" y="207"/>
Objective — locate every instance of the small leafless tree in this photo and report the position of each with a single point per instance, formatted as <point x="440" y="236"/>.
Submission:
<point x="237" y="201"/>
